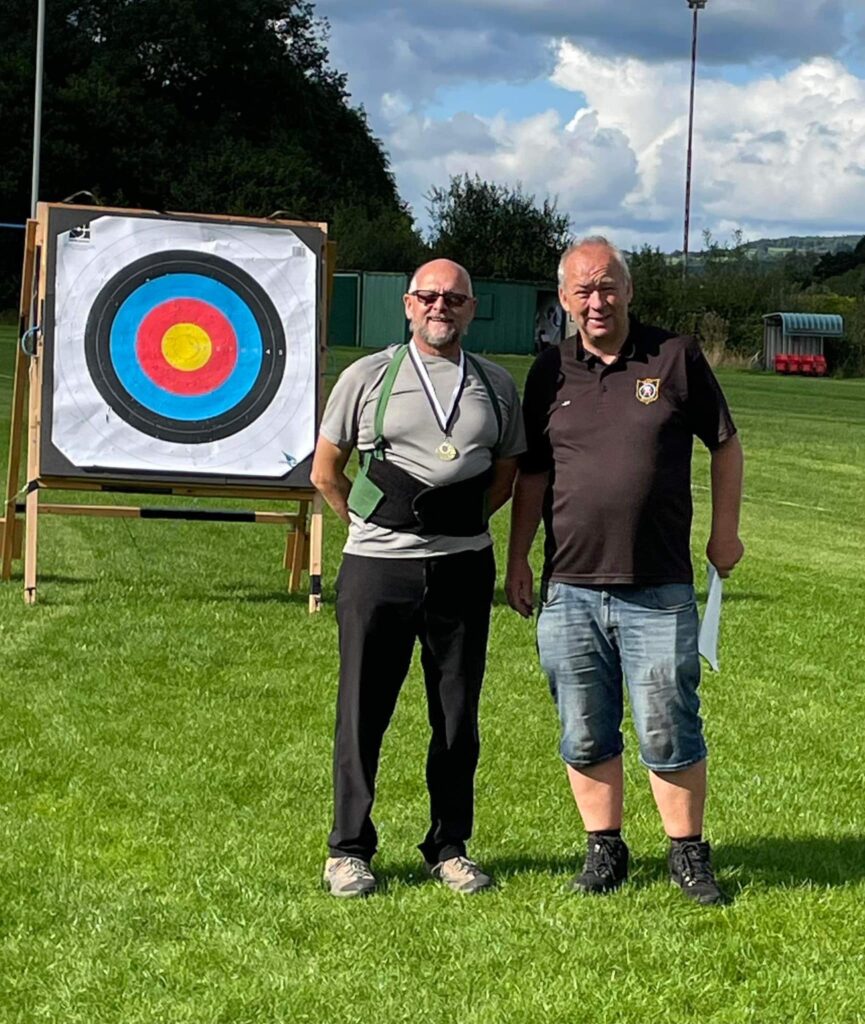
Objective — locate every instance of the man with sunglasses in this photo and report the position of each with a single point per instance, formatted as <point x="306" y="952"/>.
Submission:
<point x="610" y="419"/>
<point x="437" y="432"/>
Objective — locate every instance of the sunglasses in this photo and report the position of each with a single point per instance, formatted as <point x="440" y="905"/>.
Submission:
<point x="453" y="300"/>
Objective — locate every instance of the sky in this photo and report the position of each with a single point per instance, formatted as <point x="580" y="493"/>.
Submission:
<point x="586" y="101"/>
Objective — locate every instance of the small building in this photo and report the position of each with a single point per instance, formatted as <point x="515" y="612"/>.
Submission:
<point x="366" y="309"/>
<point x="798" y="334"/>
<point x="513" y="317"/>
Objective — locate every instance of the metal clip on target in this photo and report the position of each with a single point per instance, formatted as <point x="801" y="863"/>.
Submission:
<point x="28" y="340"/>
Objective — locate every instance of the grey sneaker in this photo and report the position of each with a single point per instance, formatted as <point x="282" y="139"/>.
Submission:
<point x="348" y="876"/>
<point x="460" y="874"/>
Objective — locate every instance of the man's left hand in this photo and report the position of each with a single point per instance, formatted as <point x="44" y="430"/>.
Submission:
<point x="725" y="553"/>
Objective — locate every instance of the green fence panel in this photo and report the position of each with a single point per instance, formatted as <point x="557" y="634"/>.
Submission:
<point x="382" y="316"/>
<point x="344" y="320"/>
<point x="505" y="320"/>
<point x="505" y="317"/>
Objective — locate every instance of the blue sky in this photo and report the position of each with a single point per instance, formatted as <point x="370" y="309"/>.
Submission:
<point x="587" y="101"/>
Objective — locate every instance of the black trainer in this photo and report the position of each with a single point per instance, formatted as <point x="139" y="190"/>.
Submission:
<point x="606" y="865"/>
<point x="691" y="869"/>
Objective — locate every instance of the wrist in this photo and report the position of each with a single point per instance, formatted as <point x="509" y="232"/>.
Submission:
<point x="724" y="531"/>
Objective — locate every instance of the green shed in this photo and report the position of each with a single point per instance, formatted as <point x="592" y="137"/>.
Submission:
<point x="514" y="317"/>
<point x="382" y="316"/>
<point x="342" y="328"/>
<point x="506" y="317"/>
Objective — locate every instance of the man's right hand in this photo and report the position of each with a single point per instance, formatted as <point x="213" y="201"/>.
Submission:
<point x="519" y="588"/>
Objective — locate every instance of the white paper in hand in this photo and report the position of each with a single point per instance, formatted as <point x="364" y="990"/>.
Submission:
<point x="707" y="643"/>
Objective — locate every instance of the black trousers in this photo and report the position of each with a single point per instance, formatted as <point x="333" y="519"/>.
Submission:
<point x="383" y="605"/>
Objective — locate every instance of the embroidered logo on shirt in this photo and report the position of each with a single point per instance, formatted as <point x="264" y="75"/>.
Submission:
<point x="648" y="390"/>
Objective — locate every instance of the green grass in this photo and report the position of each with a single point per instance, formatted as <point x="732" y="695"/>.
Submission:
<point x="165" y="735"/>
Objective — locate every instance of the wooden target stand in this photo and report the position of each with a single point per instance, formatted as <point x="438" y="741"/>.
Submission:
<point x="19" y="536"/>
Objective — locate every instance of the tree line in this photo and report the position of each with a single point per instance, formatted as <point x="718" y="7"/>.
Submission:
<point x="228" y="107"/>
<point x="235" y="108"/>
<point x="724" y="299"/>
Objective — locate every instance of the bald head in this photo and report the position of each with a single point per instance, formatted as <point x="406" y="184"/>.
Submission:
<point x="442" y="266"/>
<point x="439" y="305"/>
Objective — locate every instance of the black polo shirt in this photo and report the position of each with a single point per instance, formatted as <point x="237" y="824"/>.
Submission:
<point x="617" y="440"/>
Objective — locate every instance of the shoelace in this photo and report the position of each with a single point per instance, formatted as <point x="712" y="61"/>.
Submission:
<point x="600" y="859"/>
<point x="465" y="868"/>
<point x="695" y="864"/>
<point x="354" y="867"/>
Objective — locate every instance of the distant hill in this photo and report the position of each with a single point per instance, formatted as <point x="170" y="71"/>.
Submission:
<point x="777" y="248"/>
<point x="767" y="250"/>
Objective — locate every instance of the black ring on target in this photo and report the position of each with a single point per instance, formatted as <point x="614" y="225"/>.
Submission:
<point x="257" y="393"/>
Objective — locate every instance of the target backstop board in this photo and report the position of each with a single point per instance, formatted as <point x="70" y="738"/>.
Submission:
<point x="179" y="348"/>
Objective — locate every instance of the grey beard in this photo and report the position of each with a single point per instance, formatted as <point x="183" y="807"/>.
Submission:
<point x="435" y="341"/>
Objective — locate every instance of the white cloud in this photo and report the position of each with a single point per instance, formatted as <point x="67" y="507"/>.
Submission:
<point x="777" y="151"/>
<point x="775" y="155"/>
<point x="540" y="152"/>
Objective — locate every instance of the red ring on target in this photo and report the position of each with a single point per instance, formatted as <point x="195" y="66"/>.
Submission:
<point x="210" y="322"/>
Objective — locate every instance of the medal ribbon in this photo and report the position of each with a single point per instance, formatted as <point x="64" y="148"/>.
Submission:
<point x="444" y="418"/>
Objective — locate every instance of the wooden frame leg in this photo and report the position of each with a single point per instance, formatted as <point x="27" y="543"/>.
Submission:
<point x="10" y="543"/>
<point x="12" y="533"/>
<point x="8" y="551"/>
<point x="296" y="544"/>
<point x="31" y="536"/>
<point x="316" y="531"/>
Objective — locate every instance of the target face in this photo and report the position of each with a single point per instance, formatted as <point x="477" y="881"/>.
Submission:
<point x="184" y="346"/>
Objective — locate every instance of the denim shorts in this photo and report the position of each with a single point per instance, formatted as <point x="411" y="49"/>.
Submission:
<point x="591" y="638"/>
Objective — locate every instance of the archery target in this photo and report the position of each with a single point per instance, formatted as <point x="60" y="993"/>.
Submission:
<point x="184" y="347"/>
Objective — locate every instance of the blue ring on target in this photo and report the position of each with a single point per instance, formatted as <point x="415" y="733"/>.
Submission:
<point x="112" y="358"/>
<point x="142" y="301"/>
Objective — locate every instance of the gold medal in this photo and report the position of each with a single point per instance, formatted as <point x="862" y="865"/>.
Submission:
<point x="446" y="451"/>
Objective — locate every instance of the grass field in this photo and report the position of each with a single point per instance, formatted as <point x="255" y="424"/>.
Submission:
<point x="165" y="738"/>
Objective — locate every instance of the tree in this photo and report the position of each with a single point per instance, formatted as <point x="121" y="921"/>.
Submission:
<point x="187" y="105"/>
<point x="497" y="231"/>
<point x="377" y="238"/>
<point x="832" y="264"/>
<point x="657" y="287"/>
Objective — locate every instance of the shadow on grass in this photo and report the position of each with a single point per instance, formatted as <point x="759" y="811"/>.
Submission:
<point x="51" y="589"/>
<point x="771" y="862"/>
<point x="228" y="592"/>
<point x="768" y="862"/>
<point x="782" y="862"/>
<point x="412" y="872"/>
<point x="50" y="577"/>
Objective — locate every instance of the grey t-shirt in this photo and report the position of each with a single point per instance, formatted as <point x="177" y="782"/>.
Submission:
<point x="413" y="434"/>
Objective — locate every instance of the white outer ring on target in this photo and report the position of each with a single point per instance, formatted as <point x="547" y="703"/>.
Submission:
<point x="91" y="434"/>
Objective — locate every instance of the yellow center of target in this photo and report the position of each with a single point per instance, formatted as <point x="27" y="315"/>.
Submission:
<point x="186" y="347"/>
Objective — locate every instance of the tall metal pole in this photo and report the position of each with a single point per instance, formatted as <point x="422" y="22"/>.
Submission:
<point x="37" y="105"/>
<point x="696" y="6"/>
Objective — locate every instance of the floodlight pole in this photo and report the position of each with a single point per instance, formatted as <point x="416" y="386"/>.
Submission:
<point x="37" y="104"/>
<point x="696" y="6"/>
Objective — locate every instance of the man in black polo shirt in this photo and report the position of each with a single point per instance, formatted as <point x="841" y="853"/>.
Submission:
<point x="610" y="420"/>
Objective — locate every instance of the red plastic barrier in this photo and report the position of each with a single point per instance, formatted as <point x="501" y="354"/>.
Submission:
<point x="811" y="366"/>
